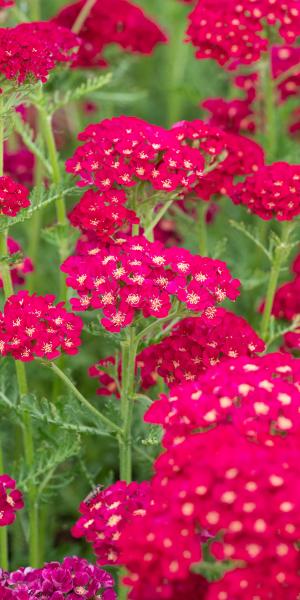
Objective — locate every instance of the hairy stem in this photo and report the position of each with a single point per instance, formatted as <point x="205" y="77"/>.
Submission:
<point x="83" y="15"/>
<point x="201" y="227"/>
<point x="128" y="356"/>
<point x="270" y="110"/>
<point x="3" y="530"/>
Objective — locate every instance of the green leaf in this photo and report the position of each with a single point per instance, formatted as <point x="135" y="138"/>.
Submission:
<point x="33" y="142"/>
<point x="251" y="235"/>
<point x="213" y="571"/>
<point x="92" y="84"/>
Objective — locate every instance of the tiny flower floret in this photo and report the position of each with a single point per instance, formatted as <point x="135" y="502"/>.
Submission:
<point x="13" y="196"/>
<point x="11" y="500"/>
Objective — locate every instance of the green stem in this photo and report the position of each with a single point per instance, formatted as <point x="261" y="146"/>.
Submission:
<point x="158" y="216"/>
<point x="201" y="227"/>
<point x="83" y="15"/>
<point x="47" y="131"/>
<point x="178" y="52"/>
<point x="3" y="530"/>
<point x="270" y="110"/>
<point x="279" y="254"/>
<point x="36" y="224"/>
<point x="100" y="417"/>
<point x="34" y="10"/>
<point x="128" y="357"/>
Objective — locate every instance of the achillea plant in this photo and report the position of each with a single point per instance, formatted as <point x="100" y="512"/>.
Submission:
<point x="153" y="244"/>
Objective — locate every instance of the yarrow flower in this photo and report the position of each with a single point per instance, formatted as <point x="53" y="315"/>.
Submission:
<point x="13" y="196"/>
<point x="259" y="396"/>
<point x="19" y="165"/>
<point x="135" y="276"/>
<point x="233" y="32"/>
<point x="30" y="51"/>
<point x="19" y="269"/>
<point x="193" y="346"/>
<point x="235" y="116"/>
<point x="272" y="192"/>
<point x="102" y="214"/>
<point x="33" y="326"/>
<point x="6" y="3"/>
<point x="71" y="579"/>
<point x="240" y="425"/>
<point x="105" y="515"/>
<point x="11" y="500"/>
<point x="111" y="22"/>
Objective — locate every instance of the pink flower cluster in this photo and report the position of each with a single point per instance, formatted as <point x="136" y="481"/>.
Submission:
<point x="13" y="196"/>
<point x="233" y="32"/>
<point x="6" y="3"/>
<point x="193" y="346"/>
<point x="11" y="500"/>
<point x="102" y="214"/>
<point x="134" y="276"/>
<point x="235" y="115"/>
<point x="73" y="578"/>
<point x="105" y="515"/>
<point x="240" y="425"/>
<point x="33" y="326"/>
<point x="272" y="192"/>
<point x="30" y="51"/>
<point x="111" y="22"/>
<point x="20" y="269"/>
<point x="287" y="306"/>
<point x="19" y="165"/>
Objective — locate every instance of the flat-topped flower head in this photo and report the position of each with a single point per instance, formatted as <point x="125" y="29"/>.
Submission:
<point x="134" y="276"/>
<point x="194" y="346"/>
<point x="102" y="214"/>
<point x="6" y="3"/>
<point x="19" y="164"/>
<point x="19" y="269"/>
<point x="33" y="326"/>
<point x="232" y="32"/>
<point x="260" y="396"/>
<point x="71" y="579"/>
<point x="29" y="51"/>
<point x="235" y="115"/>
<point x="11" y="500"/>
<point x="105" y="515"/>
<point x="13" y="196"/>
<point x="123" y="151"/>
<point x="273" y="192"/>
<point x="111" y="22"/>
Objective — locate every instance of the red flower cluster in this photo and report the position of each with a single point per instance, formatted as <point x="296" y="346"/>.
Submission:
<point x="235" y="116"/>
<point x="283" y="59"/>
<point x="73" y="578"/>
<point x="233" y="32"/>
<point x="240" y="156"/>
<point x="31" y="50"/>
<point x="105" y="515"/>
<point x="257" y="395"/>
<point x="272" y="192"/>
<point x="19" y="165"/>
<point x="287" y="306"/>
<point x="124" y="151"/>
<point x="33" y="326"/>
<point x="195" y="345"/>
<point x="11" y="500"/>
<point x="102" y="214"/>
<point x="136" y="275"/>
<point x="244" y="490"/>
<point x="13" y="196"/>
<point x="111" y="22"/>
<point x="6" y="3"/>
<point x="20" y="269"/>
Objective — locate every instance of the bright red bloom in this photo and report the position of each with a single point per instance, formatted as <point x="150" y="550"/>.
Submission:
<point x="283" y="59"/>
<point x="106" y="514"/>
<point x="111" y="22"/>
<point x="19" y="165"/>
<point x="195" y="345"/>
<point x="6" y="3"/>
<point x="272" y="192"/>
<point x="232" y="115"/>
<point x="11" y="500"/>
<point x="20" y="269"/>
<point x="73" y="578"/>
<point x="134" y="275"/>
<point x="30" y="51"/>
<point x="13" y="196"/>
<point x="259" y="396"/>
<point x="33" y="326"/>
<point x="233" y="32"/>
<point x="102" y="213"/>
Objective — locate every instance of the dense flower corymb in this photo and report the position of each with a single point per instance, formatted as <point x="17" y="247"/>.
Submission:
<point x="73" y="578"/>
<point x="233" y="32"/>
<point x="33" y="326"/>
<point x="30" y="51"/>
<point x="260" y="396"/>
<point x="6" y="3"/>
<point x="111" y="22"/>
<point x="13" y="196"/>
<point x="135" y="275"/>
<point x="272" y="192"/>
<point x="19" y="269"/>
<point x="11" y="500"/>
<point x="106" y="514"/>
